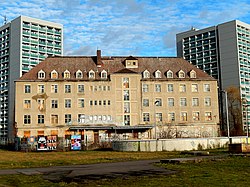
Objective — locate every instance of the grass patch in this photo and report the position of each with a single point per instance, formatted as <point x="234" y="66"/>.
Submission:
<point x="11" y="159"/>
<point x="231" y="171"/>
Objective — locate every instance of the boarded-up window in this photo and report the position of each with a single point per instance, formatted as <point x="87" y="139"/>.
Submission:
<point x="54" y="132"/>
<point x="40" y="133"/>
<point x="26" y="133"/>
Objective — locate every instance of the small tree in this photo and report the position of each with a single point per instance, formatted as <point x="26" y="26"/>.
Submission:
<point x="235" y="110"/>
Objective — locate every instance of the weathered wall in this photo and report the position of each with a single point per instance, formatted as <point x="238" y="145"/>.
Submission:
<point x="183" y="144"/>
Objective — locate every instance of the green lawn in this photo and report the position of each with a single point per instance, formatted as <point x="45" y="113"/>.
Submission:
<point x="229" y="171"/>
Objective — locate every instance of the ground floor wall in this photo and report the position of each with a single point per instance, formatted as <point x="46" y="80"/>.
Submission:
<point x="179" y="144"/>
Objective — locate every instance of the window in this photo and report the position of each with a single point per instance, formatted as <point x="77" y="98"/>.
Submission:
<point x="27" y="103"/>
<point x="158" y="117"/>
<point x="126" y="95"/>
<point x="196" y="116"/>
<point x="170" y="87"/>
<point x="158" y="102"/>
<point x="40" y="103"/>
<point x="207" y="101"/>
<point x="195" y="101"/>
<point x="170" y="102"/>
<point x="26" y="119"/>
<point x="104" y="102"/>
<point x="90" y="103"/>
<point x="54" y="119"/>
<point x="27" y="89"/>
<point x="67" y="103"/>
<point x="125" y="82"/>
<point x="66" y="74"/>
<point x="146" y="102"/>
<point x="145" y="87"/>
<point x="146" y="74"/>
<point x="79" y="74"/>
<point x="183" y="102"/>
<point x="40" y="88"/>
<point x="54" y="88"/>
<point x="67" y="119"/>
<point x="67" y="88"/>
<point x="194" y="87"/>
<point x="54" y="74"/>
<point x="109" y="102"/>
<point x="127" y="119"/>
<point x="104" y="74"/>
<point x="100" y="102"/>
<point x="157" y="88"/>
<point x="41" y="74"/>
<point x="40" y="119"/>
<point x="91" y="74"/>
<point x="206" y="87"/>
<point x="157" y="74"/>
<point x="171" y="116"/>
<point x="182" y="88"/>
<point x="81" y="118"/>
<point x="183" y="116"/>
<point x="80" y="103"/>
<point x="169" y="74"/>
<point x="181" y="74"/>
<point x="146" y="117"/>
<point x="208" y="116"/>
<point x="192" y="74"/>
<point x="54" y="103"/>
<point x="80" y="88"/>
<point x="126" y="107"/>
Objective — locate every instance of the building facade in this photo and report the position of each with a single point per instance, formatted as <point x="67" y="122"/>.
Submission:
<point x="104" y="98"/>
<point x="222" y="51"/>
<point x="25" y="42"/>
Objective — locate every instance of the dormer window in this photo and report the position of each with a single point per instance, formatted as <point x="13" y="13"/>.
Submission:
<point x="104" y="74"/>
<point x="158" y="74"/>
<point x="146" y="74"/>
<point x="79" y="74"/>
<point x="41" y="74"/>
<point x="192" y="74"/>
<point x="66" y="74"/>
<point x="54" y="74"/>
<point x="91" y="74"/>
<point x="131" y="62"/>
<point x="181" y="74"/>
<point x="170" y="74"/>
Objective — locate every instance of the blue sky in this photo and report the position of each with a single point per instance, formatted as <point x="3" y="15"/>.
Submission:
<point x="127" y="27"/>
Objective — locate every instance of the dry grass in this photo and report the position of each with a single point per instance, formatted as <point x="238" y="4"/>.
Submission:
<point x="11" y="159"/>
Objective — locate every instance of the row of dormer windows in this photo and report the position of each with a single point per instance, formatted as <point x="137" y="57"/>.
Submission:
<point x="104" y="74"/>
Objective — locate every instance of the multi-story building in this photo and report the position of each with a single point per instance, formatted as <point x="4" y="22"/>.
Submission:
<point x="222" y="51"/>
<point x="24" y="42"/>
<point x="101" y="97"/>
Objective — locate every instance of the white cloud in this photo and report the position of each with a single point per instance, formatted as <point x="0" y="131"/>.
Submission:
<point x="131" y="27"/>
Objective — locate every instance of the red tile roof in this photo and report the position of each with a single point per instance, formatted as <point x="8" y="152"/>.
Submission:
<point x="113" y="65"/>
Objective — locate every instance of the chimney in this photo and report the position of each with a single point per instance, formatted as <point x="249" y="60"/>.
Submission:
<point x="99" y="57"/>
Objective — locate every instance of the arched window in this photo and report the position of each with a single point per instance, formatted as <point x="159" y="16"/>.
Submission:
<point x="104" y="74"/>
<point x="170" y="74"/>
<point x="158" y="74"/>
<point x="181" y="74"/>
<point x="192" y="74"/>
<point x="54" y="74"/>
<point x="91" y="74"/>
<point x="41" y="74"/>
<point x="66" y="74"/>
<point x="79" y="74"/>
<point x="146" y="74"/>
